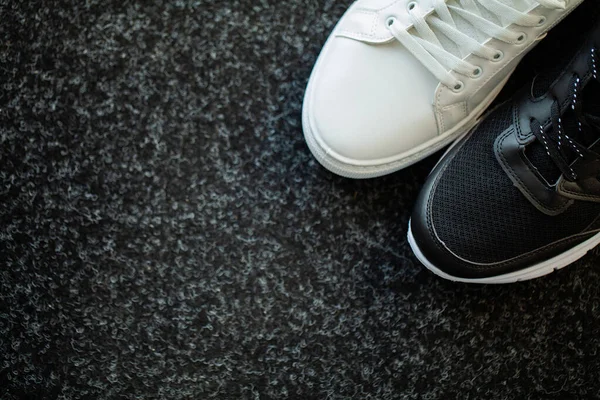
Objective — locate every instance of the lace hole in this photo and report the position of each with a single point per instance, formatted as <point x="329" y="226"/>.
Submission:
<point x="412" y="5"/>
<point x="477" y="72"/>
<point x="498" y="56"/>
<point x="458" y="87"/>
<point x="390" y="21"/>
<point x="521" y="38"/>
<point x="542" y="21"/>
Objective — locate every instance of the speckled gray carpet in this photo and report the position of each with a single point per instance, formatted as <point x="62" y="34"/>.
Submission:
<point x="166" y="234"/>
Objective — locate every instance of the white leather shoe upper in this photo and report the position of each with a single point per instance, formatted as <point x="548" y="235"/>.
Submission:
<point x="361" y="108"/>
<point x="382" y="97"/>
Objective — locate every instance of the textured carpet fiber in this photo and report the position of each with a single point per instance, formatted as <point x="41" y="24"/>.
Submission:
<point x="165" y="232"/>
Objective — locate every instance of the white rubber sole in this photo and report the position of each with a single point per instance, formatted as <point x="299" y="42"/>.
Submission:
<point x="536" y="271"/>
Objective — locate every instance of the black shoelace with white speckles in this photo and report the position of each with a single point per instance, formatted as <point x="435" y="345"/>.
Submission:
<point x="560" y="145"/>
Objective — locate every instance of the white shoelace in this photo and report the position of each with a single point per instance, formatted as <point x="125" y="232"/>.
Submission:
<point x="430" y="51"/>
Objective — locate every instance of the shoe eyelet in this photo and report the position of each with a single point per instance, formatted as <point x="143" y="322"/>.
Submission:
<point x="411" y="6"/>
<point x="458" y="87"/>
<point x="522" y="38"/>
<point x="477" y="72"/>
<point x="498" y="56"/>
<point x="542" y="21"/>
<point x="390" y="21"/>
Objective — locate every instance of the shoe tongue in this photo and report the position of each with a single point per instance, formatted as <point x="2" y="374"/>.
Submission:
<point x="537" y="155"/>
<point x="594" y="120"/>
<point x="520" y="5"/>
<point x="536" y="152"/>
<point x="467" y="28"/>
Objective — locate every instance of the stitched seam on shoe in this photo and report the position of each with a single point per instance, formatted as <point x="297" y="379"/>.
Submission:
<point x="579" y="195"/>
<point x="462" y="105"/>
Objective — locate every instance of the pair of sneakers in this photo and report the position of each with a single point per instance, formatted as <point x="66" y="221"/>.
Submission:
<point x="517" y="195"/>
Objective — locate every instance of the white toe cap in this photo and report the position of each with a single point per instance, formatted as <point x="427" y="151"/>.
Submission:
<point x="370" y="104"/>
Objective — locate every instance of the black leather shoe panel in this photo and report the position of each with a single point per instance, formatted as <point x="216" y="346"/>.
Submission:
<point x="510" y="154"/>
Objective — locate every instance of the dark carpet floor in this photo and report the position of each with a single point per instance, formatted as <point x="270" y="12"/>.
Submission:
<point x="166" y="234"/>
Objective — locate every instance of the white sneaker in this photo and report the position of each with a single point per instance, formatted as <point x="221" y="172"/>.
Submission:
<point x="398" y="80"/>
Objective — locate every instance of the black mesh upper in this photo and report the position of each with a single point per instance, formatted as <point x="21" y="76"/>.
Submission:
<point x="481" y="216"/>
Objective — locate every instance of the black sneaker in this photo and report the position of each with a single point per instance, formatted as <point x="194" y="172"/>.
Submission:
<point x="519" y="197"/>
